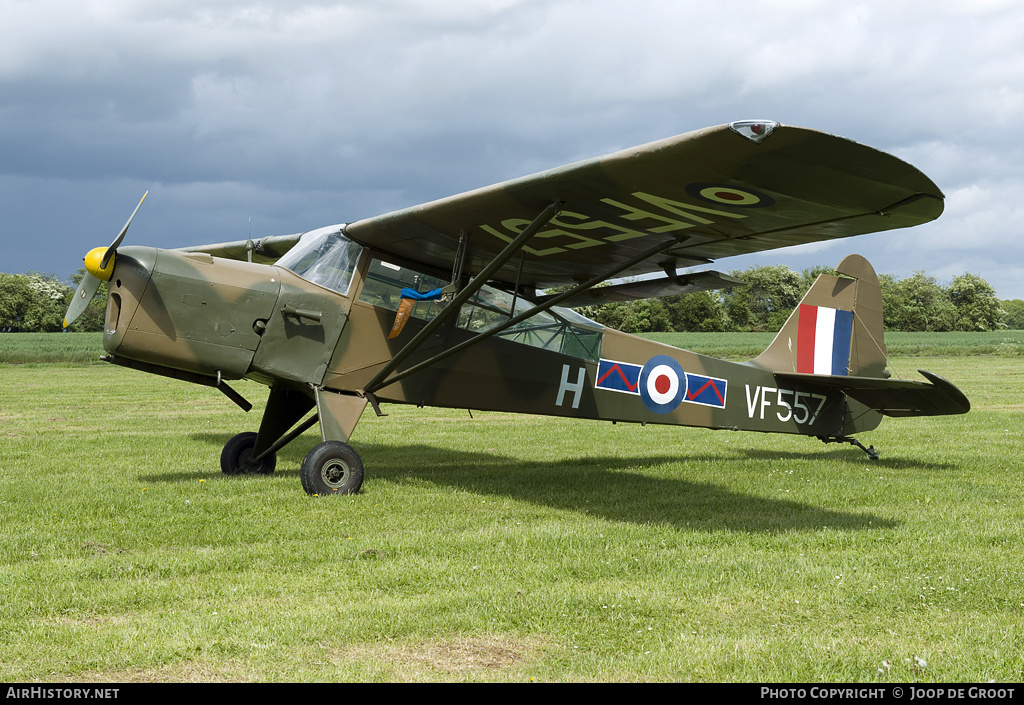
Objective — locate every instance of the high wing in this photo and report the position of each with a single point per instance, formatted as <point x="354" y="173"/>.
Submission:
<point x="718" y="192"/>
<point x="265" y="250"/>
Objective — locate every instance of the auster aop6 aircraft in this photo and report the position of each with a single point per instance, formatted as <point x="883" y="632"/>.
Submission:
<point x="448" y="304"/>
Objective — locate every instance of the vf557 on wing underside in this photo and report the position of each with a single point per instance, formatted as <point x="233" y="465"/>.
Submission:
<point x="448" y="303"/>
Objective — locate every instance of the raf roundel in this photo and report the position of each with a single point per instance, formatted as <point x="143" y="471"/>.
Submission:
<point x="662" y="384"/>
<point x="730" y="195"/>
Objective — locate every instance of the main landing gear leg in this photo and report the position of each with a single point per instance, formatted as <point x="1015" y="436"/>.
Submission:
<point x="872" y="453"/>
<point x="255" y="453"/>
<point x="331" y="467"/>
<point x="334" y="467"/>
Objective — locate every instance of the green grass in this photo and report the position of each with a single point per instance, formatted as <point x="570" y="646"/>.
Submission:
<point x="504" y="547"/>
<point x="22" y="348"/>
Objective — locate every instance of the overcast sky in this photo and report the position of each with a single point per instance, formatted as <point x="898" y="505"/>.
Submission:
<point x="302" y="114"/>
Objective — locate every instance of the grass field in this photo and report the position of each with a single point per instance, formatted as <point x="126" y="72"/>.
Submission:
<point x="21" y="348"/>
<point x="504" y="547"/>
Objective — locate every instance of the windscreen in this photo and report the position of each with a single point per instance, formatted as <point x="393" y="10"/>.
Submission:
<point x="324" y="257"/>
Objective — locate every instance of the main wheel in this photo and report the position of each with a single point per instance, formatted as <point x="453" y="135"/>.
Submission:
<point x="331" y="467"/>
<point x="236" y="457"/>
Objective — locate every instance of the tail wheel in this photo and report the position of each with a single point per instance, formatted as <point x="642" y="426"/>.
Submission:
<point x="331" y="467"/>
<point x="236" y="458"/>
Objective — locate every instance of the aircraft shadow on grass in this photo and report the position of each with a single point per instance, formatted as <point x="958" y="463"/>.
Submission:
<point x="614" y="488"/>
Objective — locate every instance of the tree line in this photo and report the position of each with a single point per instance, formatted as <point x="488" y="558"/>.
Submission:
<point x="36" y="302"/>
<point x="916" y="303"/>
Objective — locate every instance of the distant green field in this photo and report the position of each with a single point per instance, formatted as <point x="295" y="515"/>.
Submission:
<point x="75" y="348"/>
<point x="21" y="348"/>
<point x="744" y="345"/>
<point x="503" y="547"/>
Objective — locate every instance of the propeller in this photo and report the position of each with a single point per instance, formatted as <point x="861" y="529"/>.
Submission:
<point x="99" y="266"/>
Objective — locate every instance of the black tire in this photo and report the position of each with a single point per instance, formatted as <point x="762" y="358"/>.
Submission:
<point x="331" y="467"/>
<point x="234" y="459"/>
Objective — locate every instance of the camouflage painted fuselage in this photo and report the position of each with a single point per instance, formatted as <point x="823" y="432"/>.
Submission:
<point x="229" y="319"/>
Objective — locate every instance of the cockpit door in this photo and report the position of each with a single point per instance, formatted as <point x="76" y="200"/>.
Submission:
<point x="300" y="336"/>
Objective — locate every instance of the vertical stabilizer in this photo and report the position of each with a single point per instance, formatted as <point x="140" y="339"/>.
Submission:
<point x="836" y="330"/>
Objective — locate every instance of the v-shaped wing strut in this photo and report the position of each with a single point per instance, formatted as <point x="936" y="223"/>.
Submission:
<point x="515" y="320"/>
<point x="463" y="296"/>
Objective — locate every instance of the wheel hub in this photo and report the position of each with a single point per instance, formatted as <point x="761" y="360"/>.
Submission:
<point x="245" y="463"/>
<point x="335" y="472"/>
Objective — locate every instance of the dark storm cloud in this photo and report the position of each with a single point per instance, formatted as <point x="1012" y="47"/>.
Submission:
<point x="302" y="114"/>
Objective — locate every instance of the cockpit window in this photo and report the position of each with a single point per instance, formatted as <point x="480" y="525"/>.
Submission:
<point x="558" y="329"/>
<point x="324" y="257"/>
<point x="384" y="284"/>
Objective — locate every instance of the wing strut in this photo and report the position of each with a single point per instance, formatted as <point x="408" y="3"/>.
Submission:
<point x="515" y="320"/>
<point x="462" y="297"/>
